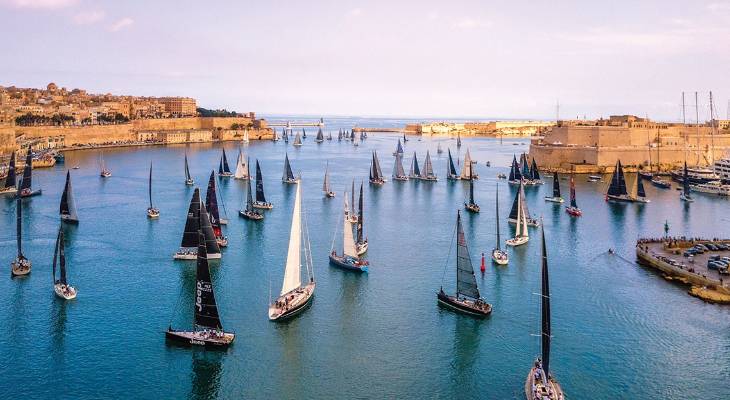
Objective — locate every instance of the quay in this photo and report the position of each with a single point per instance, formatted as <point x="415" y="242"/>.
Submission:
<point x="666" y="255"/>
<point x="383" y="130"/>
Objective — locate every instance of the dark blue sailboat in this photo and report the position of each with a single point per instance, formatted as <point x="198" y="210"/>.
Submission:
<point x="9" y="187"/>
<point x="224" y="170"/>
<point x="452" y="174"/>
<point x="260" y="197"/>
<point x="26" y="185"/>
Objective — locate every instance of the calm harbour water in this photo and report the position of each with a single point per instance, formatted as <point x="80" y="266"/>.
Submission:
<point x="620" y="331"/>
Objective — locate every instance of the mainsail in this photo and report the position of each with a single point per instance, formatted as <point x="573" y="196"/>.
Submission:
<point x="398" y="170"/>
<point x="415" y="171"/>
<point x="320" y="136"/>
<point x="466" y="172"/>
<point x="288" y="174"/>
<point x="59" y="254"/>
<point x="556" y="185"/>
<point x="326" y="184"/>
<point x="519" y="203"/>
<point x="10" y="178"/>
<point x="149" y="186"/>
<point x="573" y="203"/>
<point x="297" y="140"/>
<point x="534" y="172"/>
<point x="618" y="182"/>
<point x="187" y="169"/>
<point x="249" y="196"/>
<point x="259" y="185"/>
<point x="525" y="167"/>
<point x="452" y="168"/>
<point x="546" y="331"/>
<point x="224" y="161"/>
<point x="205" y="225"/>
<point x="377" y="173"/>
<point x="360" y="218"/>
<point x="514" y="172"/>
<point x="292" y="273"/>
<point x="211" y="204"/>
<point x="190" y="234"/>
<point x="466" y="282"/>
<point x="241" y="167"/>
<point x="68" y="205"/>
<point x="427" y="167"/>
<point x="496" y="204"/>
<point x="27" y="181"/>
<point x="399" y="149"/>
<point x="640" y="192"/>
<point x="348" y="242"/>
<point x="206" y="310"/>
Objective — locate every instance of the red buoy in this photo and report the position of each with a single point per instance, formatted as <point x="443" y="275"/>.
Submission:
<point x="483" y="267"/>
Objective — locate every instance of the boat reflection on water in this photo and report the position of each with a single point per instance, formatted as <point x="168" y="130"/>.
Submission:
<point x="206" y="375"/>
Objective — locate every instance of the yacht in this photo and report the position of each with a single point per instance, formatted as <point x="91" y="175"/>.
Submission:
<point x="712" y="187"/>
<point x="722" y="169"/>
<point x="696" y="175"/>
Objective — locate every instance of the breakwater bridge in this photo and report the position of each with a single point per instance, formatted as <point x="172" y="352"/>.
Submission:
<point x="298" y="124"/>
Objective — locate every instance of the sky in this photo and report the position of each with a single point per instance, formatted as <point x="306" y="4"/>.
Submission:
<point x="473" y="59"/>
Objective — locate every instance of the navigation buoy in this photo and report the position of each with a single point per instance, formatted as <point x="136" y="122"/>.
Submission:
<point x="482" y="267"/>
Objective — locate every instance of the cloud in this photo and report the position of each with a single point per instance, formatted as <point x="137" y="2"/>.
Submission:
<point x="88" y="17"/>
<point x="121" y="24"/>
<point x="40" y="4"/>
<point x="471" y="23"/>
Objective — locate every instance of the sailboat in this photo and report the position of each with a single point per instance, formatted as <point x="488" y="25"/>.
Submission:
<point x="298" y="140"/>
<point x="451" y="174"/>
<point x="242" y="171"/>
<point x="556" y="197"/>
<point x="349" y="258"/>
<point x="467" y="299"/>
<point x="352" y="216"/>
<point x="415" y="172"/>
<point x="573" y="208"/>
<point x="515" y="176"/>
<point x="197" y="220"/>
<point x="224" y="170"/>
<point x="67" y="208"/>
<point x="399" y="174"/>
<point x="339" y="135"/>
<point x="211" y="204"/>
<point x="534" y="174"/>
<point x="60" y="285"/>
<point x="207" y="330"/>
<point x="326" y="185"/>
<point x="152" y="212"/>
<point x="288" y="176"/>
<point x="245" y="136"/>
<point x="427" y="173"/>
<point x="521" y="233"/>
<point x="329" y="135"/>
<point x="10" y="180"/>
<point x="617" y="189"/>
<point x="639" y="190"/>
<point x="685" y="195"/>
<point x="521" y="203"/>
<point x="439" y="150"/>
<point x="398" y="149"/>
<point x="286" y="135"/>
<point x="404" y="138"/>
<point x="471" y="205"/>
<point x="499" y="256"/>
<point x="26" y="186"/>
<point x="361" y="243"/>
<point x="458" y="140"/>
<point x="295" y="295"/>
<point x="104" y="171"/>
<point x="376" y="174"/>
<point x="260" y="202"/>
<point x="304" y="134"/>
<point x="188" y="179"/>
<point x="320" y="136"/>
<point x="540" y="384"/>
<point x="21" y="265"/>
<point x="249" y="212"/>
<point x="466" y="171"/>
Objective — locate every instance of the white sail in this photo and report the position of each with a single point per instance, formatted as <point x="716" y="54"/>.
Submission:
<point x="326" y="184"/>
<point x="245" y="135"/>
<point x="466" y="170"/>
<point x="241" y="167"/>
<point x="348" y="241"/>
<point x="293" y="274"/>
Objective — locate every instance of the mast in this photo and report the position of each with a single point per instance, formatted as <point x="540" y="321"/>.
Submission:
<point x="534" y="171"/>
<point x="61" y="258"/>
<point x="211" y="202"/>
<point x="466" y="282"/>
<point x="471" y="190"/>
<point x="348" y="243"/>
<point x="249" y="196"/>
<point x="10" y="179"/>
<point x="685" y="183"/>
<point x="352" y="193"/>
<point x="68" y="205"/>
<point x="19" y="225"/>
<point x="259" y="184"/>
<point x="697" y="120"/>
<point x="292" y="272"/>
<point x="640" y="192"/>
<point x="26" y="183"/>
<point x="573" y="203"/>
<point x="207" y="228"/>
<point x="192" y="226"/>
<point x="545" y="333"/>
<point x="360" y="218"/>
<point x="712" y="131"/>
<point x="187" y="169"/>
<point x="556" y="185"/>
<point x="149" y="186"/>
<point x="226" y="167"/>
<point x="55" y="253"/>
<point x="497" y="216"/>
<point x="205" y="310"/>
<point x="326" y="184"/>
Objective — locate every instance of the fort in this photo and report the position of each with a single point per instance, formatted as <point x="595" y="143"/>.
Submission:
<point x="488" y="128"/>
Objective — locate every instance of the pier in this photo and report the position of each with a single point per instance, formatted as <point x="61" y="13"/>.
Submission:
<point x="383" y="130"/>
<point x="666" y="255"/>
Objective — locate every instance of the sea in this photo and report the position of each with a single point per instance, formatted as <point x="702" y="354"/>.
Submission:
<point x="620" y="331"/>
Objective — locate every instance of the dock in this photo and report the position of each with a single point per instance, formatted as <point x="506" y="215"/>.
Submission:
<point x="666" y="255"/>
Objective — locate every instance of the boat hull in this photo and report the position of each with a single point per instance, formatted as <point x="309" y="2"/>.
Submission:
<point x="500" y="257"/>
<point x="554" y="199"/>
<point x="576" y="212"/>
<point x="251" y="215"/>
<point x="553" y="392"/>
<point x="471" y="207"/>
<point x="153" y="213"/>
<point x="8" y="191"/>
<point x="463" y="306"/>
<point x="530" y="222"/>
<point x="345" y="263"/>
<point x="518" y="241"/>
<point x="192" y="254"/>
<point x="68" y="219"/>
<point x="65" y="292"/>
<point x="30" y="193"/>
<point x="225" y="175"/>
<point x="20" y="267"/>
<point x="660" y="183"/>
<point x="301" y="302"/>
<point x="620" y="199"/>
<point x="263" y="206"/>
<point x="198" y="339"/>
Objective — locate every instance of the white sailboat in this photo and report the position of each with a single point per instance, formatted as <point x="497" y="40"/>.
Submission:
<point x="295" y="296"/>
<point x="521" y="233"/>
<point x="349" y="258"/>
<point x="242" y="171"/>
<point x="466" y="171"/>
<point x="245" y="136"/>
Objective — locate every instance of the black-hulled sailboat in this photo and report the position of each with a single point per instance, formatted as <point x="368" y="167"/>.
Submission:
<point x="399" y="174"/>
<point x="617" y="189"/>
<point x="326" y="187"/>
<point x="640" y="192"/>
<point x="376" y="174"/>
<point x="415" y="172"/>
<point x="471" y="205"/>
<point x="207" y="330"/>
<point x="515" y="175"/>
<point x="211" y="204"/>
<point x="499" y="256"/>
<point x="67" y="208"/>
<point x="60" y="285"/>
<point x="573" y="208"/>
<point x="427" y="172"/>
<point x="361" y="243"/>
<point x="295" y="295"/>
<point x="540" y="384"/>
<point x="349" y="258"/>
<point x="197" y="220"/>
<point x="320" y="136"/>
<point x="288" y="176"/>
<point x="249" y="212"/>
<point x="21" y="265"/>
<point x="188" y="179"/>
<point x="224" y="170"/>
<point x="451" y="173"/>
<point x="686" y="195"/>
<point x="260" y="202"/>
<point x="26" y="185"/>
<point x="556" y="197"/>
<point x="534" y="174"/>
<point x="9" y="187"/>
<point x="304" y="133"/>
<point x="467" y="299"/>
<point x="152" y="211"/>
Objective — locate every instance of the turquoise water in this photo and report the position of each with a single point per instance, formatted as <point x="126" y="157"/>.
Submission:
<point x="620" y="331"/>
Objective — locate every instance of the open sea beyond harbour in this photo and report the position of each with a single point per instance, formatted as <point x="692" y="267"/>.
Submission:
<point x="620" y="330"/>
